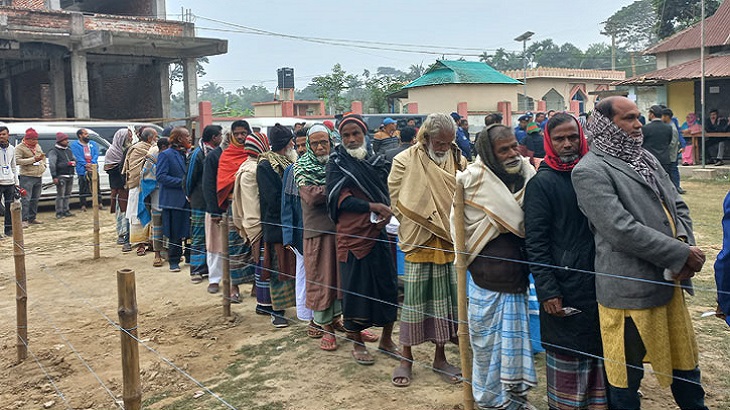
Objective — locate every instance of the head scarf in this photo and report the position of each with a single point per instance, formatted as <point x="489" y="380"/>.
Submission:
<point x="485" y="150"/>
<point x="256" y="144"/>
<point x="612" y="140"/>
<point x="31" y="138"/>
<point x="230" y="160"/>
<point x="115" y="153"/>
<point x="691" y="118"/>
<point x="551" y="157"/>
<point x="308" y="170"/>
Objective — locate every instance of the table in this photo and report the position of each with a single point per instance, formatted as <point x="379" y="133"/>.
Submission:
<point x="697" y="143"/>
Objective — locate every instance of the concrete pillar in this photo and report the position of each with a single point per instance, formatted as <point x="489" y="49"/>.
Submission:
<point x="165" y="89"/>
<point x="53" y="4"/>
<point x="462" y="109"/>
<point x="505" y="108"/>
<point x="356" y="107"/>
<point x="58" y="87"/>
<point x="541" y="105"/>
<point x="190" y="89"/>
<point x="46" y="101"/>
<point x="159" y="9"/>
<point x="80" y="85"/>
<point x="8" y="92"/>
<point x="412" y="108"/>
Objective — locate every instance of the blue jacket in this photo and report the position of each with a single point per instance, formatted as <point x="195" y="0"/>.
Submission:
<point x="170" y="172"/>
<point x="722" y="263"/>
<point x="520" y="133"/>
<point x="78" y="151"/>
<point x="462" y="140"/>
<point x="291" y="211"/>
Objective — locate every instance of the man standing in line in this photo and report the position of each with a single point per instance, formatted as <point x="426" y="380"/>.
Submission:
<point x="62" y="163"/>
<point x="291" y="225"/>
<point x="86" y="153"/>
<point x="139" y="234"/>
<point x="279" y="264"/>
<point x="557" y="234"/>
<point x="386" y="138"/>
<point x="407" y="138"/>
<point x="8" y="177"/>
<point x="494" y="188"/>
<point x="645" y="248"/>
<point x="678" y="143"/>
<point x="462" y="137"/>
<point x="32" y="163"/>
<point x="521" y="128"/>
<point x="422" y="182"/>
<point x="359" y="204"/>
<point x="658" y="138"/>
<point x="213" y="213"/>
<point x="194" y="191"/>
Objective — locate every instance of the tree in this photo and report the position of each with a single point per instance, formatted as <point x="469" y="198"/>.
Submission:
<point x="330" y="87"/>
<point x="415" y="71"/>
<point x="634" y="26"/>
<point x="676" y="15"/>
<point x="176" y="69"/>
<point x="503" y="60"/>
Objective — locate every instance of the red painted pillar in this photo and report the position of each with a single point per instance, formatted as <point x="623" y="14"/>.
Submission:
<point x="356" y="107"/>
<point x="412" y="108"/>
<point x="287" y="108"/>
<point x="541" y="105"/>
<point x="505" y="108"/>
<point x="205" y="115"/>
<point x="322" y="110"/>
<point x="462" y="109"/>
<point x="575" y="107"/>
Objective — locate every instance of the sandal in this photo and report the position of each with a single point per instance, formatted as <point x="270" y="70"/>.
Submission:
<point x="328" y="343"/>
<point x="449" y="374"/>
<point x="369" y="337"/>
<point x="363" y="357"/>
<point x="235" y="297"/>
<point x="391" y="352"/>
<point x="339" y="325"/>
<point x="157" y="262"/>
<point x="195" y="278"/>
<point x="141" y="250"/>
<point x="402" y="372"/>
<point x="314" y="331"/>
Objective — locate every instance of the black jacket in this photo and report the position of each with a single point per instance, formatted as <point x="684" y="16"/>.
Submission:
<point x="195" y="182"/>
<point x="270" y="186"/>
<point x="657" y="138"/>
<point x="557" y="234"/>
<point x="61" y="162"/>
<point x="210" y="180"/>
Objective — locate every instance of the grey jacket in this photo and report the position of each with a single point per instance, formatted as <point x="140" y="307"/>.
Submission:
<point x="632" y="232"/>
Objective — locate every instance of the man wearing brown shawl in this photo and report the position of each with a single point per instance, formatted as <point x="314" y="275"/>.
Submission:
<point x="138" y="234"/>
<point x="422" y="181"/>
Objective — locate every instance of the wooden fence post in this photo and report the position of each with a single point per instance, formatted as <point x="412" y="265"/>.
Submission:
<point x="95" y="207"/>
<point x="226" y="280"/>
<point x="463" y="330"/>
<point x="21" y="295"/>
<point x="127" y="294"/>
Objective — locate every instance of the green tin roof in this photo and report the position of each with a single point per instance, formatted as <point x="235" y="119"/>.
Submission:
<point x="461" y="72"/>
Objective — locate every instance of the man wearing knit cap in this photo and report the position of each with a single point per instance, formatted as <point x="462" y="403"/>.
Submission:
<point x="32" y="163"/>
<point x="281" y="264"/>
<point x="62" y="163"/>
<point x="534" y="142"/>
<point x="359" y="204"/>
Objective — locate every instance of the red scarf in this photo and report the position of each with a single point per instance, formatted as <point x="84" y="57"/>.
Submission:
<point x="231" y="159"/>
<point x="551" y="157"/>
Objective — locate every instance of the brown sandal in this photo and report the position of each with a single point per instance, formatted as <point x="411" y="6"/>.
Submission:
<point x="328" y="343"/>
<point x="141" y="250"/>
<point x="157" y="262"/>
<point x="314" y="331"/>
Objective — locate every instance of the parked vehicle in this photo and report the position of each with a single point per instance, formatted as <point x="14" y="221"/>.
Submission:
<point x="104" y="129"/>
<point x="374" y="121"/>
<point x="47" y="139"/>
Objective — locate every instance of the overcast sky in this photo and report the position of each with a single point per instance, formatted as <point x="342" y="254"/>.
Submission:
<point x="455" y="28"/>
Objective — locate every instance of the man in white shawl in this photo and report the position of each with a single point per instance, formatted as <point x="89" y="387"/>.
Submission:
<point x="139" y="234"/>
<point x="494" y="187"/>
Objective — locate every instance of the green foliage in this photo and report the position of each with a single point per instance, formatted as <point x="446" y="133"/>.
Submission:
<point x="634" y="26"/>
<point x="676" y="15"/>
<point x="330" y="87"/>
<point x="503" y="60"/>
<point x="176" y="69"/>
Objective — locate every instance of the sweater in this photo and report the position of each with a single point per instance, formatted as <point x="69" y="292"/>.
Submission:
<point x="25" y="158"/>
<point x="8" y="167"/>
<point x="61" y="162"/>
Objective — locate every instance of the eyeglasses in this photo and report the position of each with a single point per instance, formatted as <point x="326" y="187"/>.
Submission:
<point x="316" y="143"/>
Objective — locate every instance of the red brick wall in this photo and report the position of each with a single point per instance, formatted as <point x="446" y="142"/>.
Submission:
<point x="30" y="4"/>
<point x="124" y="91"/>
<point x="138" y="25"/>
<point x="27" y="20"/>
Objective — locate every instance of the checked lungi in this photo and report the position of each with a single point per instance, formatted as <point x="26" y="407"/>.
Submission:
<point x="575" y="382"/>
<point x="198" y="265"/>
<point x="281" y="266"/>
<point x="239" y="254"/>
<point x="429" y="309"/>
<point x="503" y="367"/>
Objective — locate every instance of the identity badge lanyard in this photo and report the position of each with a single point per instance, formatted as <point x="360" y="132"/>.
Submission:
<point x="6" y="165"/>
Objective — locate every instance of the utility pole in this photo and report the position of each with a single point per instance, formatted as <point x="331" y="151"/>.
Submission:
<point x="523" y="38"/>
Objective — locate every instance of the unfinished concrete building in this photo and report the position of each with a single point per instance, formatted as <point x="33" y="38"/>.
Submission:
<point x="100" y="59"/>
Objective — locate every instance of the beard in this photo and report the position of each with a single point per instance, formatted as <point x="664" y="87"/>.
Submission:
<point x="513" y="165"/>
<point x="438" y="159"/>
<point x="569" y="159"/>
<point x="4" y="144"/>
<point x="292" y="155"/>
<point x="322" y="159"/>
<point x="357" y="153"/>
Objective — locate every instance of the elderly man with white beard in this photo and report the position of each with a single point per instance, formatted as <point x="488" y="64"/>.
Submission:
<point x="494" y="223"/>
<point x="422" y="182"/>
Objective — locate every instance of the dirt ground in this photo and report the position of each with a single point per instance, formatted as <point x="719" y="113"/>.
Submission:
<point x="191" y="350"/>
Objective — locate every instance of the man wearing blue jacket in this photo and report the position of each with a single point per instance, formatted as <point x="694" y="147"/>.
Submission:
<point x="86" y="153"/>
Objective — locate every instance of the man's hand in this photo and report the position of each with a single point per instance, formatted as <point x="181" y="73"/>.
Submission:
<point x="696" y="259"/>
<point x="383" y="211"/>
<point x="215" y="219"/>
<point x="87" y="167"/>
<point x="38" y="157"/>
<point x="719" y="313"/>
<point x="685" y="273"/>
<point x="554" y="306"/>
<point x="55" y="181"/>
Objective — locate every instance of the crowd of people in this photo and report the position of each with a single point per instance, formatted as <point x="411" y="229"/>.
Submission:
<point x="309" y="223"/>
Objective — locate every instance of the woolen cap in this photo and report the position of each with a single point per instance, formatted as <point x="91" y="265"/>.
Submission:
<point x="31" y="134"/>
<point x="61" y="137"/>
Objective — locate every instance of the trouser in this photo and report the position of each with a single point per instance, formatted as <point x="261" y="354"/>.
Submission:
<point x="33" y="186"/>
<point x="303" y="312"/>
<point x="686" y="387"/>
<point x="215" y="267"/>
<point x="85" y="189"/>
<point x="174" y="250"/>
<point x="63" y="193"/>
<point x="8" y="193"/>
<point x="673" y="171"/>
